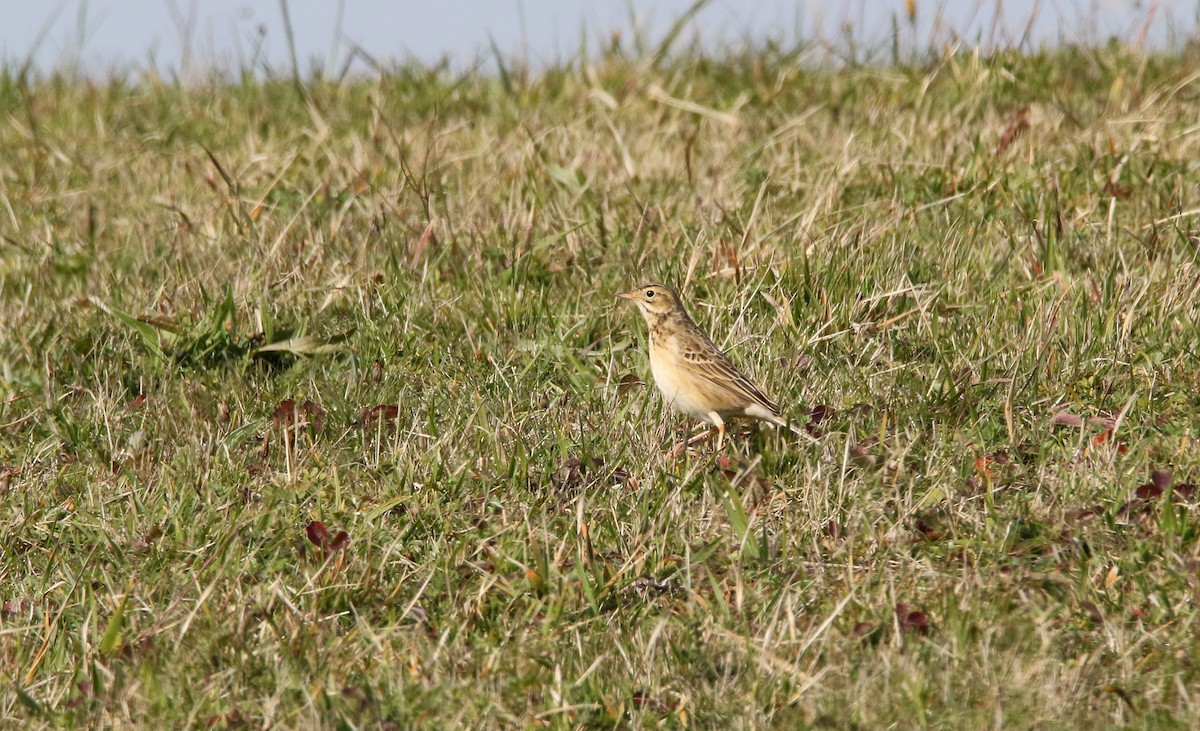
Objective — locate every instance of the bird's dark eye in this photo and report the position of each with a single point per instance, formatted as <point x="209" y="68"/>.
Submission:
<point x="649" y="293"/>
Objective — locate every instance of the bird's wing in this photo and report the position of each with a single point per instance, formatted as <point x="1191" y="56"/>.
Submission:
<point x="707" y="360"/>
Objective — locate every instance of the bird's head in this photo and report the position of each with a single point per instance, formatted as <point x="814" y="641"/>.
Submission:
<point x="652" y="299"/>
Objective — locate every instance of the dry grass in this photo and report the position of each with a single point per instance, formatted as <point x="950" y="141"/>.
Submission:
<point x="928" y="264"/>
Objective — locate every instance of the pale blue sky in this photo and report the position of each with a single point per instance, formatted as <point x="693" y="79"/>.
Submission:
<point x="190" y="35"/>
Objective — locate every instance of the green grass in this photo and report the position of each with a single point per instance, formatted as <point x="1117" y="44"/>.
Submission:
<point x="926" y="264"/>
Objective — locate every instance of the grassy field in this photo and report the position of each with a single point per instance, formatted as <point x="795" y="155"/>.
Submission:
<point x="316" y="408"/>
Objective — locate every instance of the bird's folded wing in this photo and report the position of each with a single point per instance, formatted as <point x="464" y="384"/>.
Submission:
<point x="714" y="365"/>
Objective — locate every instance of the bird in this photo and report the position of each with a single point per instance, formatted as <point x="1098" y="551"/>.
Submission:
<point x="692" y="373"/>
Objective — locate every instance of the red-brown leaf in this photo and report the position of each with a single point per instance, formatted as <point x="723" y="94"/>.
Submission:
<point x="387" y="414"/>
<point x="1017" y="127"/>
<point x="285" y="413"/>
<point x="912" y="620"/>
<point x="820" y="413"/>
<point x="1149" y="491"/>
<point x="628" y="382"/>
<point x="317" y="533"/>
<point x="314" y="414"/>
<point x="339" y="541"/>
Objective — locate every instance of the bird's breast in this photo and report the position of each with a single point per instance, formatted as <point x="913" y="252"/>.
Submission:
<point x="673" y="380"/>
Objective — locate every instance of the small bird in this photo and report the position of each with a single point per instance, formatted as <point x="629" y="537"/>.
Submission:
<point x="694" y="376"/>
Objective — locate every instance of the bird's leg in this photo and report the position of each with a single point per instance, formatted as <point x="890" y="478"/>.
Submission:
<point x="720" y="424"/>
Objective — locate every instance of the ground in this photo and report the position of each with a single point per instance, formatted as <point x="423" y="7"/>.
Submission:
<point x="317" y="409"/>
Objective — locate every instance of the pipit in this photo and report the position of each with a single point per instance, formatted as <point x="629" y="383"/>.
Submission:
<point x="694" y="376"/>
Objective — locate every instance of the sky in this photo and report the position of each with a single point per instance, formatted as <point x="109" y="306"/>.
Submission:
<point x="192" y="37"/>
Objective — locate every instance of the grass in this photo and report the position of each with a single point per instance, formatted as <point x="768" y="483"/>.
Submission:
<point x="240" y="318"/>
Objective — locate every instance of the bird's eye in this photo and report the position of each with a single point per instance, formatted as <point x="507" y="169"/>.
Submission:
<point x="649" y="293"/>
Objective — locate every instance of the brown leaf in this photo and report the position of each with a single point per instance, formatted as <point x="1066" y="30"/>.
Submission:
<point x="385" y="414"/>
<point x="627" y="383"/>
<point x="290" y="416"/>
<point x="286" y="414"/>
<point x="1149" y="491"/>
<point x="912" y="620"/>
<point x="861" y="454"/>
<point x="928" y="531"/>
<point x="317" y="533"/>
<point x="1084" y="515"/>
<point x="1017" y="127"/>
<point x="972" y="486"/>
<point x="1116" y="190"/>
<point x="314" y="413"/>
<point x="1065" y="418"/>
<point x="1161" y="479"/>
<point x="861" y="409"/>
<point x="339" y="541"/>
<point x="1093" y="612"/>
<point x="820" y="413"/>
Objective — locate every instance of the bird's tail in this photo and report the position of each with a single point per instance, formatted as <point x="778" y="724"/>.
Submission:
<point x="783" y="422"/>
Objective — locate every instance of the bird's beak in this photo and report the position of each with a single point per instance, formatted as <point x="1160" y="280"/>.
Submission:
<point x="626" y="295"/>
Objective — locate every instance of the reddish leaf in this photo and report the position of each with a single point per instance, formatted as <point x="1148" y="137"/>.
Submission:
<point x="628" y="382"/>
<point x="317" y="534"/>
<point x="971" y="487"/>
<point x="1093" y="612"/>
<point x="339" y="541"/>
<point x="1135" y="508"/>
<point x="387" y="414"/>
<point x="928" y="531"/>
<point x="861" y="409"/>
<point x="314" y="414"/>
<point x="1116" y="190"/>
<point x="862" y="629"/>
<point x="1017" y="127"/>
<point x="1149" y="491"/>
<point x="1105" y="437"/>
<point x="138" y="401"/>
<point x="285" y="413"/>
<point x="1161" y="478"/>
<point x="820" y="413"/>
<point x="912" y="620"/>
<point x="1084" y="515"/>
<point x="1185" y="490"/>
